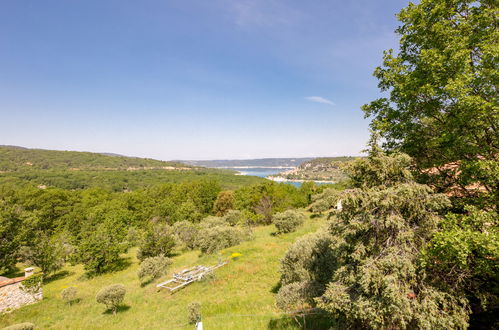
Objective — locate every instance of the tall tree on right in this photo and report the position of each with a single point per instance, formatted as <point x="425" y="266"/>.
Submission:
<point x="442" y="105"/>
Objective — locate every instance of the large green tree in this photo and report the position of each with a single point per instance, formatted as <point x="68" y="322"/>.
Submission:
<point x="442" y="106"/>
<point x="366" y="269"/>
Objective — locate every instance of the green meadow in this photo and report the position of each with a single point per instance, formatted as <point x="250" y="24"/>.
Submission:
<point x="240" y="296"/>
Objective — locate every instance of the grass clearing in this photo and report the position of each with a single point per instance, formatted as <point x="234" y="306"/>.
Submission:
<point x="239" y="297"/>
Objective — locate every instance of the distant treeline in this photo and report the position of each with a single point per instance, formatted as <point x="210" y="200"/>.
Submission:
<point x="122" y="180"/>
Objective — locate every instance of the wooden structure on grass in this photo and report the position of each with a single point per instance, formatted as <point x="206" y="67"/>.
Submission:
<point x="187" y="276"/>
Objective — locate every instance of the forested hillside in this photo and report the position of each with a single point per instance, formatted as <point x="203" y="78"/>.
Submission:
<point x="81" y="170"/>
<point x="319" y="169"/>
<point x="14" y="158"/>
<point x="261" y="162"/>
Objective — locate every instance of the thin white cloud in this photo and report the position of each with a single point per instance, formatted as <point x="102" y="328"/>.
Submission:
<point x="263" y="13"/>
<point x="319" y="99"/>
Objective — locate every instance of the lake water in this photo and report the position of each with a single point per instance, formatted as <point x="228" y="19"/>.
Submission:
<point x="264" y="172"/>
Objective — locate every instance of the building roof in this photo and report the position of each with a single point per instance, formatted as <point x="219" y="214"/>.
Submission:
<point x="7" y="281"/>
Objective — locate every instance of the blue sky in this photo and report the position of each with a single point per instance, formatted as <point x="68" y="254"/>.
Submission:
<point x="203" y="79"/>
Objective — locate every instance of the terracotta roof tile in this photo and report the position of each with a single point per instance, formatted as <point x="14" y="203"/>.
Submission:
<point x="11" y="281"/>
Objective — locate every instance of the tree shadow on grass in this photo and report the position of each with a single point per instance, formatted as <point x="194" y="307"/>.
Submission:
<point x="312" y="321"/>
<point x="121" y="308"/>
<point x="145" y="283"/>
<point x="57" y="276"/>
<point x="14" y="272"/>
<point x="119" y="265"/>
<point x="276" y="287"/>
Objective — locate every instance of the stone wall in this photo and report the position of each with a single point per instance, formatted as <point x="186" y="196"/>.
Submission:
<point x="13" y="297"/>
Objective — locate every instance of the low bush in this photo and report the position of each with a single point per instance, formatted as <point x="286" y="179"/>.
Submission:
<point x="186" y="232"/>
<point x="33" y="284"/>
<point x="290" y="297"/>
<point x="288" y="221"/>
<point x="211" y="221"/>
<point x="68" y="295"/>
<point x="213" y="239"/>
<point x="112" y="296"/>
<point x="21" y="326"/>
<point x="194" y="312"/>
<point x="153" y="268"/>
<point x="233" y="217"/>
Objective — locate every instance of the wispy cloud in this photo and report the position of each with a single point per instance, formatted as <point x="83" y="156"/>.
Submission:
<point x="263" y="13"/>
<point x="319" y="99"/>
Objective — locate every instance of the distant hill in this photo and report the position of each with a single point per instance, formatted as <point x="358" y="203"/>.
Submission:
<point x="318" y="169"/>
<point x="82" y="170"/>
<point x="261" y="162"/>
<point x="13" y="158"/>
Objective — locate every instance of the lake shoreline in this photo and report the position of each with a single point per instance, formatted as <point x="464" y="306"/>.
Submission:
<point x="281" y="179"/>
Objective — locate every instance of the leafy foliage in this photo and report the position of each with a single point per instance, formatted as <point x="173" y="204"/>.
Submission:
<point x="158" y="240"/>
<point x="111" y="296"/>
<point x="442" y="107"/>
<point x="214" y="235"/>
<point x="33" y="284"/>
<point x="69" y="295"/>
<point x="45" y="252"/>
<point x="153" y="267"/>
<point x="186" y="232"/>
<point x="223" y="203"/>
<point x="324" y="201"/>
<point x="463" y="257"/>
<point x="10" y="218"/>
<point x="288" y="221"/>
<point x="366" y="270"/>
<point x="268" y="198"/>
<point x="234" y="217"/>
<point x="99" y="251"/>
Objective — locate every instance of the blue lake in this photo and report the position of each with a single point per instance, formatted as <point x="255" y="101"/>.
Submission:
<point x="264" y="172"/>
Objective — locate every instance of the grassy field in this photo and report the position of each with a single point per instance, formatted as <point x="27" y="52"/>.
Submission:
<point x="240" y="297"/>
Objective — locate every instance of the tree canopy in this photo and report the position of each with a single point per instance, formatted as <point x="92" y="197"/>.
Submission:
<point x="442" y="106"/>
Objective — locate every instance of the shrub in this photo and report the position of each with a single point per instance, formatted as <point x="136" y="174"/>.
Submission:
<point x="233" y="217"/>
<point x="288" y="221"/>
<point x="153" y="267"/>
<point x="21" y="326"/>
<point x="213" y="239"/>
<point x="223" y="203"/>
<point x="112" y="296"/>
<point x="309" y="259"/>
<point x="158" y="240"/>
<point x="33" y="284"/>
<point x="211" y="221"/>
<point x="324" y="201"/>
<point x="290" y="297"/>
<point x="194" y="312"/>
<point x="69" y="294"/>
<point x="186" y="232"/>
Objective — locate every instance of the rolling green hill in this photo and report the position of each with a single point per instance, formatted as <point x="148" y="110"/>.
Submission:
<point x="18" y="159"/>
<point x="81" y="170"/>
